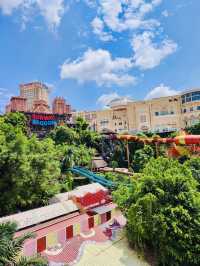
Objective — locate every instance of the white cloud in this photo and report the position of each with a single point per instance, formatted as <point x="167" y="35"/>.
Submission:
<point x="90" y="3"/>
<point x="51" y="10"/>
<point x="8" y="6"/>
<point x="148" y="54"/>
<point x="161" y="91"/>
<point x="121" y="15"/>
<point x="129" y="15"/>
<point x="165" y="13"/>
<point x="98" y="66"/>
<point x="98" y="29"/>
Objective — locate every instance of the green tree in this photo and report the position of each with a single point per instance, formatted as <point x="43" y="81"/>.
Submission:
<point x="194" y="165"/>
<point x="11" y="247"/>
<point x="114" y="165"/>
<point x="78" y="136"/>
<point x="90" y="139"/>
<point x="29" y="173"/>
<point x="194" y="130"/>
<point x="63" y="135"/>
<point x="165" y="213"/>
<point x="76" y="155"/>
<point x="81" y="124"/>
<point x="17" y="120"/>
<point x="123" y="196"/>
<point x="142" y="157"/>
<point x="12" y="124"/>
<point x="34" y="170"/>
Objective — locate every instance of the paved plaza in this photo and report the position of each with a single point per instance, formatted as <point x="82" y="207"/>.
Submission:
<point x="116" y="253"/>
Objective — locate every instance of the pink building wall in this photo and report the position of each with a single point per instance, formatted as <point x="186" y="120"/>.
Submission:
<point x="79" y="223"/>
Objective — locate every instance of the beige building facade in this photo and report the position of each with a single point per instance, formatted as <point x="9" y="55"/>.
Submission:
<point x="34" y="91"/>
<point x="164" y="114"/>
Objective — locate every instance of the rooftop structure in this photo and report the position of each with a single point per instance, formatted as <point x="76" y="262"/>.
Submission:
<point x="119" y="101"/>
<point x="39" y="215"/>
<point x="18" y="103"/>
<point x="60" y="107"/>
<point x="40" y="106"/>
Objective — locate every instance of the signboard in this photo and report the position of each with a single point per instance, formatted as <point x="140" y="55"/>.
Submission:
<point x="43" y="120"/>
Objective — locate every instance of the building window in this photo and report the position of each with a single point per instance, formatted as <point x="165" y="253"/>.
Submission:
<point x="91" y="222"/>
<point x="164" y="113"/>
<point x="191" y="97"/>
<point x="104" y="123"/>
<point x="198" y="108"/>
<point x="108" y="216"/>
<point x="120" y="123"/>
<point x="191" y="109"/>
<point x="69" y="232"/>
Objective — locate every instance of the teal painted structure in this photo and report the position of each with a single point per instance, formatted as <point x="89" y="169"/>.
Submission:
<point x="92" y="176"/>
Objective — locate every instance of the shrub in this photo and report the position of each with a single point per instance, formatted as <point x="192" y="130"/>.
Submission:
<point x="165" y="213"/>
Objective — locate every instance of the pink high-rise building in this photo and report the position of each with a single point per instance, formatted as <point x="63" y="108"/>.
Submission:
<point x="34" y="91"/>
<point x="60" y="106"/>
<point x="17" y="104"/>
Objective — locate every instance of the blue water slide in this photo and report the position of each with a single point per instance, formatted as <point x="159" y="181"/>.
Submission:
<point x="92" y="176"/>
<point x="97" y="177"/>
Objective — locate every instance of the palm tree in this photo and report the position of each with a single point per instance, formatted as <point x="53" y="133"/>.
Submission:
<point x="10" y="248"/>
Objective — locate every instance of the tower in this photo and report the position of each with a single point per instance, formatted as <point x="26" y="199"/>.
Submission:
<point x="60" y="106"/>
<point x="34" y="91"/>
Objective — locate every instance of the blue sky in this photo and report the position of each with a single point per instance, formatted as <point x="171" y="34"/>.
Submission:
<point x="93" y="51"/>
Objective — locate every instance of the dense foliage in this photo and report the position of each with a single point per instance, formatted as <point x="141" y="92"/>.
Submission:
<point x="33" y="170"/>
<point x="194" y="130"/>
<point x="194" y="165"/>
<point x="10" y="248"/>
<point x="141" y="158"/>
<point x="163" y="212"/>
<point x="115" y="152"/>
<point x="29" y="173"/>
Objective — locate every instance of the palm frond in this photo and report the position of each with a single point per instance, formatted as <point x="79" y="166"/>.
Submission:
<point x="7" y="230"/>
<point x="32" y="261"/>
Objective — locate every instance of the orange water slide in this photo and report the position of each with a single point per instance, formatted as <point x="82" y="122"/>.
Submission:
<point x="180" y="140"/>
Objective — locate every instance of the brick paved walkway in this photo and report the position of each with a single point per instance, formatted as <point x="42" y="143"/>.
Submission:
<point x="73" y="248"/>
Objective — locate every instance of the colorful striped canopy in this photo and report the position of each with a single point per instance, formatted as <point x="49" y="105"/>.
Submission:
<point x="183" y="139"/>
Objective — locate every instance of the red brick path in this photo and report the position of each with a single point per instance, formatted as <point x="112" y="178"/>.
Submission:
<point x="72" y="248"/>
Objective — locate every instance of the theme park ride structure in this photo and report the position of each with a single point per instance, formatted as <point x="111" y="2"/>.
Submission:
<point x="178" y="146"/>
<point x="92" y="176"/>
